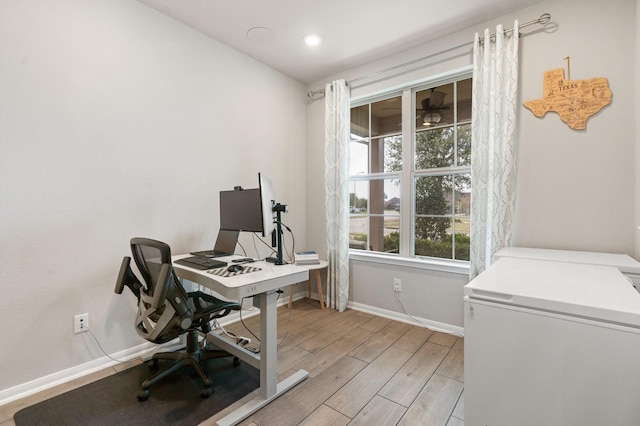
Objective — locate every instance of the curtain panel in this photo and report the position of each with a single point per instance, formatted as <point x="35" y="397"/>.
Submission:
<point x="493" y="135"/>
<point x="337" y="135"/>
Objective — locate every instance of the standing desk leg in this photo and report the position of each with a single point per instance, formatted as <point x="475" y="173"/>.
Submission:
<point x="270" y="389"/>
<point x="268" y="343"/>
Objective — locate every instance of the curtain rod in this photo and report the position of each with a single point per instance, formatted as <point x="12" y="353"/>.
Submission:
<point x="542" y="20"/>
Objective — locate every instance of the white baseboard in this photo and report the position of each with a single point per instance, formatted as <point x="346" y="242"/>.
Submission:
<point x="397" y="316"/>
<point x="431" y="325"/>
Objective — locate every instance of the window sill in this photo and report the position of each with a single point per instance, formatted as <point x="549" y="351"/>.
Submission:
<point x="450" y="266"/>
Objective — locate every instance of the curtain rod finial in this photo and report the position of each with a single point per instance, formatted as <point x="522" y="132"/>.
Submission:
<point x="544" y="18"/>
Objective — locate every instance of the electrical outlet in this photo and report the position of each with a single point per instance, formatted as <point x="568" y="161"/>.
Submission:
<point x="80" y="323"/>
<point x="397" y="285"/>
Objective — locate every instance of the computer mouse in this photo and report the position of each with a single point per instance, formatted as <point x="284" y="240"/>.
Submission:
<point x="235" y="268"/>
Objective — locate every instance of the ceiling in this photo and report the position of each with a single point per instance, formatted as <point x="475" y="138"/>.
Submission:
<point x="353" y="31"/>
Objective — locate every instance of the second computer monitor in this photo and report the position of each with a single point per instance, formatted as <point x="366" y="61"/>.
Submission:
<point x="241" y="210"/>
<point x="266" y="202"/>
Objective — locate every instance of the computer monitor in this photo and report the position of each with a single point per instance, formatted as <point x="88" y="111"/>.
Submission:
<point x="267" y="203"/>
<point x="241" y="210"/>
<point x="271" y="217"/>
<point x="254" y="210"/>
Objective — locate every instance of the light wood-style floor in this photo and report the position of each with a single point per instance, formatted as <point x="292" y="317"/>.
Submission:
<point x="363" y="370"/>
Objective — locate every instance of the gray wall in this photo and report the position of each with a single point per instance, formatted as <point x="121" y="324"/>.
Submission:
<point x="576" y="189"/>
<point x="115" y="122"/>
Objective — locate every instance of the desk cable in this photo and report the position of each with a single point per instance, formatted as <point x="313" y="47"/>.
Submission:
<point x="293" y="239"/>
<point x="102" y="349"/>
<point x="254" y="335"/>
<point x="243" y="250"/>
<point x="240" y="340"/>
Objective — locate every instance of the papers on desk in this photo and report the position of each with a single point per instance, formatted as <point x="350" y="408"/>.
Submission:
<point x="223" y="272"/>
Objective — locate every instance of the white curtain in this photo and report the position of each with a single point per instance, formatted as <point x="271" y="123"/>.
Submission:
<point x="336" y="159"/>
<point x="493" y="135"/>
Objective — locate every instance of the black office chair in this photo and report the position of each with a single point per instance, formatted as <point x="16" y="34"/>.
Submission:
<point x="166" y="311"/>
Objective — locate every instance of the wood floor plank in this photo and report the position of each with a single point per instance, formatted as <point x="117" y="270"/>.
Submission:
<point x="453" y="421"/>
<point x="318" y="314"/>
<point x="380" y="341"/>
<point x="350" y="341"/>
<point x="407" y="383"/>
<point x="295" y="337"/>
<point x="379" y="411"/>
<point x="318" y="362"/>
<point x="458" y="411"/>
<point x="453" y="365"/>
<point x="376" y="324"/>
<point x="434" y="404"/>
<point x="294" y="406"/>
<point x="327" y="337"/>
<point x="324" y="358"/>
<point x="289" y="325"/>
<point x="352" y="398"/>
<point x="326" y="416"/>
<point x="292" y="356"/>
<point x="331" y="321"/>
<point x="413" y="339"/>
<point x="443" y="339"/>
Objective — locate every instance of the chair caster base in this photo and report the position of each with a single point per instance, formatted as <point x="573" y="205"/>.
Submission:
<point x="206" y="392"/>
<point x="236" y="361"/>
<point x="143" y="395"/>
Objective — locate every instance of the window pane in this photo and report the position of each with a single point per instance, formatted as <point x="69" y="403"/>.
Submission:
<point x="434" y="106"/>
<point x="464" y="100"/>
<point x="358" y="157"/>
<point x="386" y="154"/>
<point x="358" y="196"/>
<point x="435" y="148"/>
<point x="358" y="232"/>
<point x="360" y="121"/>
<point x="433" y="195"/>
<point x="374" y="215"/>
<point x="462" y="194"/>
<point x="443" y="206"/>
<point x="462" y="238"/>
<point x="386" y="116"/>
<point x="464" y="145"/>
<point x="432" y="238"/>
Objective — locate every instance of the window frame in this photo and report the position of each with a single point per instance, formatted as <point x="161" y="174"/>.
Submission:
<point x="407" y="176"/>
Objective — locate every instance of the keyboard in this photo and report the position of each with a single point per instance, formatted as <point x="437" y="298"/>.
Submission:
<point x="198" y="262"/>
<point x="210" y="253"/>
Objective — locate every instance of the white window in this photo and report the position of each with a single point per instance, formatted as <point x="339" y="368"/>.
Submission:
<point x="410" y="171"/>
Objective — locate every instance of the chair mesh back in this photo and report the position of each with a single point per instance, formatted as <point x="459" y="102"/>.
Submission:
<point x="149" y="256"/>
<point x="164" y="323"/>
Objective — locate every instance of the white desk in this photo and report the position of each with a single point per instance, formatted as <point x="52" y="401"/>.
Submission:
<point x="262" y="284"/>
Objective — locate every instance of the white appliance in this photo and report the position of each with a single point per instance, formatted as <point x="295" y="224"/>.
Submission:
<point x="551" y="343"/>
<point x="625" y="263"/>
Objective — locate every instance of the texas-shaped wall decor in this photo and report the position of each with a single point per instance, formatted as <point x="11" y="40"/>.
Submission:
<point x="574" y="100"/>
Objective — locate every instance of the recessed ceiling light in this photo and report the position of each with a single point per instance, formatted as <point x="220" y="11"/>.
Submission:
<point x="312" y="39"/>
